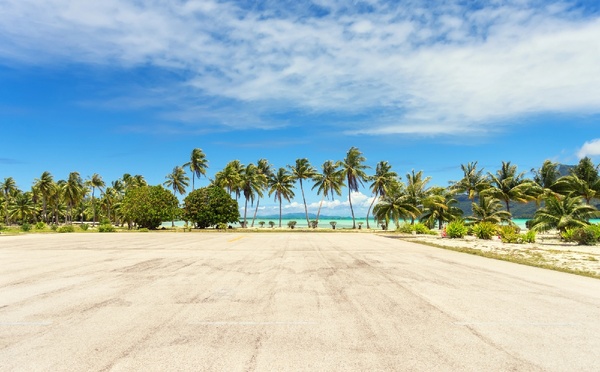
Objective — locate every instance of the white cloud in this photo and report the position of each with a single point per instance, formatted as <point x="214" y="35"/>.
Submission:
<point x="590" y="148"/>
<point x="425" y="69"/>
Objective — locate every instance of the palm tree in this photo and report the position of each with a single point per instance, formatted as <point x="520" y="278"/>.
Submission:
<point x="23" y="208"/>
<point x="440" y="206"/>
<point x="562" y="213"/>
<point x="178" y="181"/>
<point x="93" y="182"/>
<point x="197" y="164"/>
<point x="229" y="177"/>
<point x="573" y="185"/>
<point x="264" y="169"/>
<point x="252" y="182"/>
<point x="73" y="192"/>
<point x="508" y="185"/>
<point x="473" y="180"/>
<point x="489" y="209"/>
<point x="547" y="175"/>
<point x="353" y="170"/>
<point x="328" y="183"/>
<point x="9" y="189"/>
<point x="45" y="186"/>
<point x="302" y="170"/>
<point x="396" y="204"/>
<point x="416" y="189"/>
<point x="281" y="184"/>
<point x="382" y="180"/>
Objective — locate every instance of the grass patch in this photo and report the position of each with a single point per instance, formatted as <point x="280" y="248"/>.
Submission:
<point x="527" y="261"/>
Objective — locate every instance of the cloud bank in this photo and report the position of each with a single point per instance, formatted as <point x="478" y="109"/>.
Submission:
<point x="409" y="67"/>
<point x="590" y="148"/>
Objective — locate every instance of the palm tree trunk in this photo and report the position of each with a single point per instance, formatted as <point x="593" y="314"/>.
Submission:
<point x="305" y="207"/>
<point x="255" y="212"/>
<point x="369" y="211"/>
<point x="93" y="208"/>
<point x="280" y="212"/>
<point x="245" y="210"/>
<point x="351" y="209"/>
<point x="319" y="211"/>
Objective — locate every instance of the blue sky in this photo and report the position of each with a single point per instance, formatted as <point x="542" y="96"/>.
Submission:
<point x="121" y="86"/>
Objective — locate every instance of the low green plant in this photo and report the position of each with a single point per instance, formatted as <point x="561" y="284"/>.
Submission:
<point x="584" y="236"/>
<point x="271" y="224"/>
<point x="594" y="229"/>
<point x="292" y="224"/>
<point x="25" y="227"/>
<point x="106" y="228"/>
<point x="529" y="237"/>
<point x="405" y="228"/>
<point x="1" y="227"/>
<point x="221" y="226"/>
<point x="143" y="229"/>
<point x="485" y="230"/>
<point x="66" y="229"/>
<point x="261" y="224"/>
<point x="420" y="228"/>
<point x="456" y="229"/>
<point x="567" y="235"/>
<point x="314" y="224"/>
<point x="40" y="225"/>
<point x="84" y="226"/>
<point x="333" y="223"/>
<point x="510" y="234"/>
<point x="54" y="227"/>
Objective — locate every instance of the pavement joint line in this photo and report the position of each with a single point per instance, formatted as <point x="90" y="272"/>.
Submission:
<point x="25" y="323"/>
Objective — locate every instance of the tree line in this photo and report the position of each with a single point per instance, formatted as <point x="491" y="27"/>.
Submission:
<point x="564" y="201"/>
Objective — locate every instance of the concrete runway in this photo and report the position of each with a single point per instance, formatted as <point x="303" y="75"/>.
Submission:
<point x="283" y="302"/>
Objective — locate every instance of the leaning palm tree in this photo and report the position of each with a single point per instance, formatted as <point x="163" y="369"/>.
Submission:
<point x="177" y="181"/>
<point x="353" y="170"/>
<point x="508" y="185"/>
<point x="562" y="213"/>
<point x="382" y="180"/>
<point x="45" y="185"/>
<point x="9" y="189"/>
<point x="302" y="170"/>
<point x="95" y="182"/>
<point x="264" y="169"/>
<point x="251" y="185"/>
<point x="328" y="183"/>
<point x="395" y="205"/>
<point x="489" y="209"/>
<point x="197" y="164"/>
<point x="281" y="185"/>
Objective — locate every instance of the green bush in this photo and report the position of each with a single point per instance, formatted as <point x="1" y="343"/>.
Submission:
<point x="510" y="234"/>
<point x="25" y="227"/>
<point x="333" y="223"/>
<point x="84" y="226"/>
<point x="143" y="229"/>
<point x="106" y="228"/>
<point x="405" y="228"/>
<point x="1" y="227"/>
<point x="223" y="226"/>
<point x="292" y="224"/>
<point x="271" y="224"/>
<point x="54" y="227"/>
<point x="456" y="229"/>
<point x="149" y="206"/>
<point x="595" y="229"/>
<point x="261" y="224"/>
<point x="40" y="225"/>
<point x="529" y="237"/>
<point x="485" y="230"/>
<point x="209" y="206"/>
<point x="66" y="229"/>
<point x="567" y="235"/>
<point x="584" y="236"/>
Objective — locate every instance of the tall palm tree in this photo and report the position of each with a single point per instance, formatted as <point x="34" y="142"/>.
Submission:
<point x="440" y="206"/>
<point x="328" y="183"/>
<point x="575" y="186"/>
<point x="508" y="185"/>
<point x="252" y="182"/>
<point x="473" y="180"/>
<point x="353" y="170"/>
<point x="9" y="188"/>
<point x="177" y="181"/>
<point x="23" y="208"/>
<point x="416" y="189"/>
<point x="264" y="169"/>
<point x="302" y="170"/>
<point x="562" y="213"/>
<point x="73" y="192"/>
<point x="395" y="205"/>
<point x="45" y="185"/>
<point x="197" y="164"/>
<point x="229" y="177"/>
<point x="382" y="180"/>
<point x="95" y="182"/>
<point x="281" y="185"/>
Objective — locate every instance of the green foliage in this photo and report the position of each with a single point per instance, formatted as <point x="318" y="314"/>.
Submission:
<point x="292" y="224"/>
<point x="143" y="229"/>
<point x="595" y="229"/>
<point x="84" y="226"/>
<point x="221" y="226"/>
<point x="40" y="225"/>
<point x="405" y="228"/>
<point x="529" y="237"/>
<point x="485" y="230"/>
<point x="66" y="229"/>
<point x="567" y="235"/>
<point x="54" y="227"/>
<point x="1" y="227"/>
<point x="333" y="223"/>
<point x="510" y="234"/>
<point x="271" y="224"/>
<point x="209" y="206"/>
<point x="456" y="229"/>
<point x="25" y="227"/>
<point x="314" y="224"/>
<point x="106" y="228"/>
<point x="584" y="236"/>
<point x="261" y="224"/>
<point x="418" y="228"/>
<point x="149" y="206"/>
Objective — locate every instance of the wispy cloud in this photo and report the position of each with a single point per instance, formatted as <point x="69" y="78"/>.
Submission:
<point x="590" y="148"/>
<point x="407" y="67"/>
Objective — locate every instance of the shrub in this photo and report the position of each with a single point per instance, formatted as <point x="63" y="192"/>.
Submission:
<point x="529" y="237"/>
<point x="484" y="230"/>
<point x="209" y="206"/>
<point x="292" y="224"/>
<point x="595" y="229"/>
<point x="1" y="227"/>
<point x="223" y="226"/>
<point x="143" y="229"/>
<point x="314" y="224"/>
<point x="271" y="224"/>
<point x="333" y="223"/>
<point x="54" y="227"/>
<point x="456" y="229"/>
<point x="84" y="226"/>
<point x="261" y="224"/>
<point x="66" y="229"/>
<point x="567" y="235"/>
<point x="584" y="236"/>
<point x="509" y="234"/>
<point x="25" y="227"/>
<point x="148" y="206"/>
<point x="420" y="228"/>
<point x="405" y="228"/>
<point x="106" y="228"/>
<point x="40" y="225"/>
